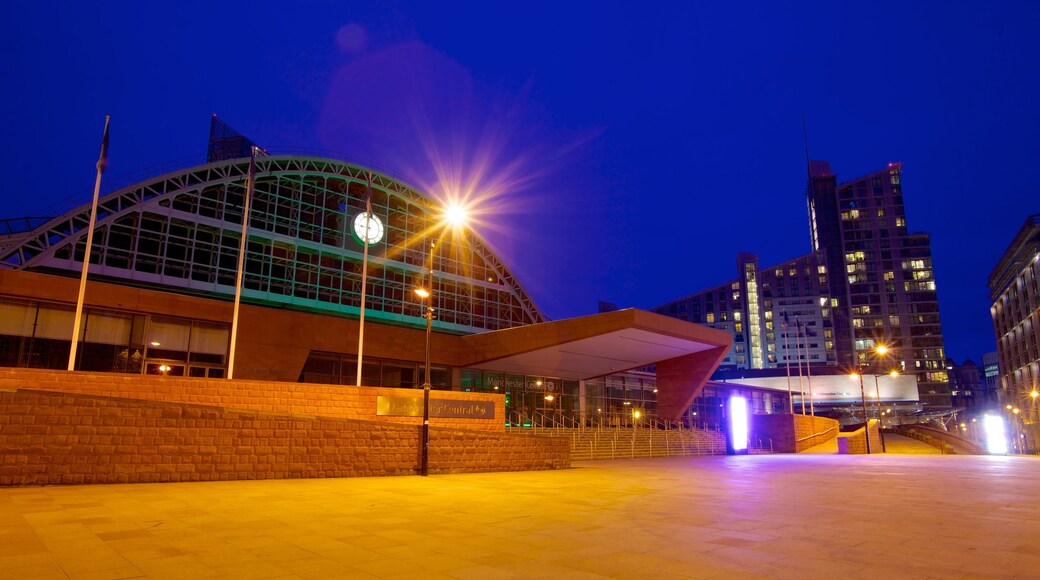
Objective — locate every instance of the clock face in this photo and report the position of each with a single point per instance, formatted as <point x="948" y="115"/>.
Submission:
<point x="367" y="227"/>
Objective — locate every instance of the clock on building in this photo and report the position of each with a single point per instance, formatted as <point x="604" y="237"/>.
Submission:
<point x="367" y="227"/>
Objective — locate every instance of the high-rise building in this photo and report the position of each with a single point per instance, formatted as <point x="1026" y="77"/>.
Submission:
<point x="1014" y="287"/>
<point x="777" y="315"/>
<point x="867" y="282"/>
<point x="991" y="371"/>
<point x="883" y="277"/>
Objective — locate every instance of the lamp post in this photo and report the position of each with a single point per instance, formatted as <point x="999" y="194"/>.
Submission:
<point x="455" y="216"/>
<point x="863" y="398"/>
<point x="877" y="391"/>
<point x="427" y="296"/>
<point x="1033" y="419"/>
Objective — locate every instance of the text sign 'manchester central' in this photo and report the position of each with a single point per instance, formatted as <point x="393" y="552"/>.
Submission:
<point x="444" y="408"/>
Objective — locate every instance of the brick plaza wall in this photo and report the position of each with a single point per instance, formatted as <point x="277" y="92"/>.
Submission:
<point x="335" y="401"/>
<point x="856" y="441"/>
<point x="66" y="438"/>
<point x="794" y="433"/>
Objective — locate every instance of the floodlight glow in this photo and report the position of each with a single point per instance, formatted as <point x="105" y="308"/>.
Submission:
<point x="422" y="292"/>
<point x="882" y="349"/>
<point x="738" y="423"/>
<point x="996" y="441"/>
<point x="455" y="214"/>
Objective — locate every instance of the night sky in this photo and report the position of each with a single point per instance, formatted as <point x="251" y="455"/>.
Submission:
<point x="618" y="151"/>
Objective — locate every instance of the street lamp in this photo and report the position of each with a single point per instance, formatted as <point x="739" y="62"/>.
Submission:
<point x="427" y="297"/>
<point x="455" y="216"/>
<point x="863" y="397"/>
<point x="877" y="390"/>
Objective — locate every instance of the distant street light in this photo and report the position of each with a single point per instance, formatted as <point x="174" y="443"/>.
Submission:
<point x="863" y="397"/>
<point x="877" y="390"/>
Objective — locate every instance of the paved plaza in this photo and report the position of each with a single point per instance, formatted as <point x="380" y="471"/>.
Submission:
<point x="774" y="516"/>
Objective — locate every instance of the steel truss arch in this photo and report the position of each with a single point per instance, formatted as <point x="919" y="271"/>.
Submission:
<point x="175" y="230"/>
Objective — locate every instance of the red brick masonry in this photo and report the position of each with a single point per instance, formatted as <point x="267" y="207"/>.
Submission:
<point x="73" y="438"/>
<point x="339" y="401"/>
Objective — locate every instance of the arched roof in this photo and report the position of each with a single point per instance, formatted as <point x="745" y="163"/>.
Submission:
<point x="181" y="232"/>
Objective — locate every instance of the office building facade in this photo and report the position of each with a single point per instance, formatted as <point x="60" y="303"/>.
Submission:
<point x="867" y="282"/>
<point x="1014" y="286"/>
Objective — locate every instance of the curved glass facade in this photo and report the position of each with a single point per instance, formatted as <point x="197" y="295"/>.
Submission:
<point x="182" y="232"/>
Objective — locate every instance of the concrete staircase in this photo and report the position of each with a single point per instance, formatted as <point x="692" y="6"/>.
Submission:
<point x="625" y="443"/>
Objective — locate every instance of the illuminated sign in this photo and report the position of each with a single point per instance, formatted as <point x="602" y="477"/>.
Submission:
<point x="738" y="424"/>
<point x="443" y="408"/>
<point x="996" y="440"/>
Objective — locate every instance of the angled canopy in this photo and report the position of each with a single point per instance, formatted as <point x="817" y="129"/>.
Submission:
<point x="685" y="354"/>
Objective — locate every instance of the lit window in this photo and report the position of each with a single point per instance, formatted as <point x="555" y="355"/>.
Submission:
<point x="710" y="317"/>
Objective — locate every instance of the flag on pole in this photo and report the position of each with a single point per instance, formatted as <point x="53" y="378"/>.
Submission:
<point x="103" y="159"/>
<point x="368" y="201"/>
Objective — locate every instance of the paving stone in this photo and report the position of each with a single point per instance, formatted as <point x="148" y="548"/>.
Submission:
<point x="801" y="516"/>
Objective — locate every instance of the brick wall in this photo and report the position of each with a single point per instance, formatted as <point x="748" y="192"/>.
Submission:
<point x="856" y="441"/>
<point x="69" y="438"/>
<point x="794" y="433"/>
<point x="338" y="401"/>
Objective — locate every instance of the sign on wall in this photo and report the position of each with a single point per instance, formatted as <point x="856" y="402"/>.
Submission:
<point x="443" y="408"/>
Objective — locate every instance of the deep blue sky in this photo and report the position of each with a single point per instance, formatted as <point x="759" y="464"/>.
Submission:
<point x="633" y="148"/>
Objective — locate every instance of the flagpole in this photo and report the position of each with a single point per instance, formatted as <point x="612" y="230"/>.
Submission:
<point x="242" y="246"/>
<point x="808" y="378"/>
<point x="102" y="162"/>
<point x="787" y="360"/>
<point x="798" y="348"/>
<point x="364" y="278"/>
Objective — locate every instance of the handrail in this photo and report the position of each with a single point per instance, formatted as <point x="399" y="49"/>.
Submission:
<point x="807" y="437"/>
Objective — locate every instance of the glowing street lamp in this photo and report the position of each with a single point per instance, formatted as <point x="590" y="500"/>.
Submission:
<point x="455" y="216"/>
<point x="426" y="296"/>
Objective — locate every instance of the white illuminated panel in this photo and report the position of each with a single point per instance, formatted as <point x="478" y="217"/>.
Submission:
<point x="996" y="440"/>
<point x="738" y="423"/>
